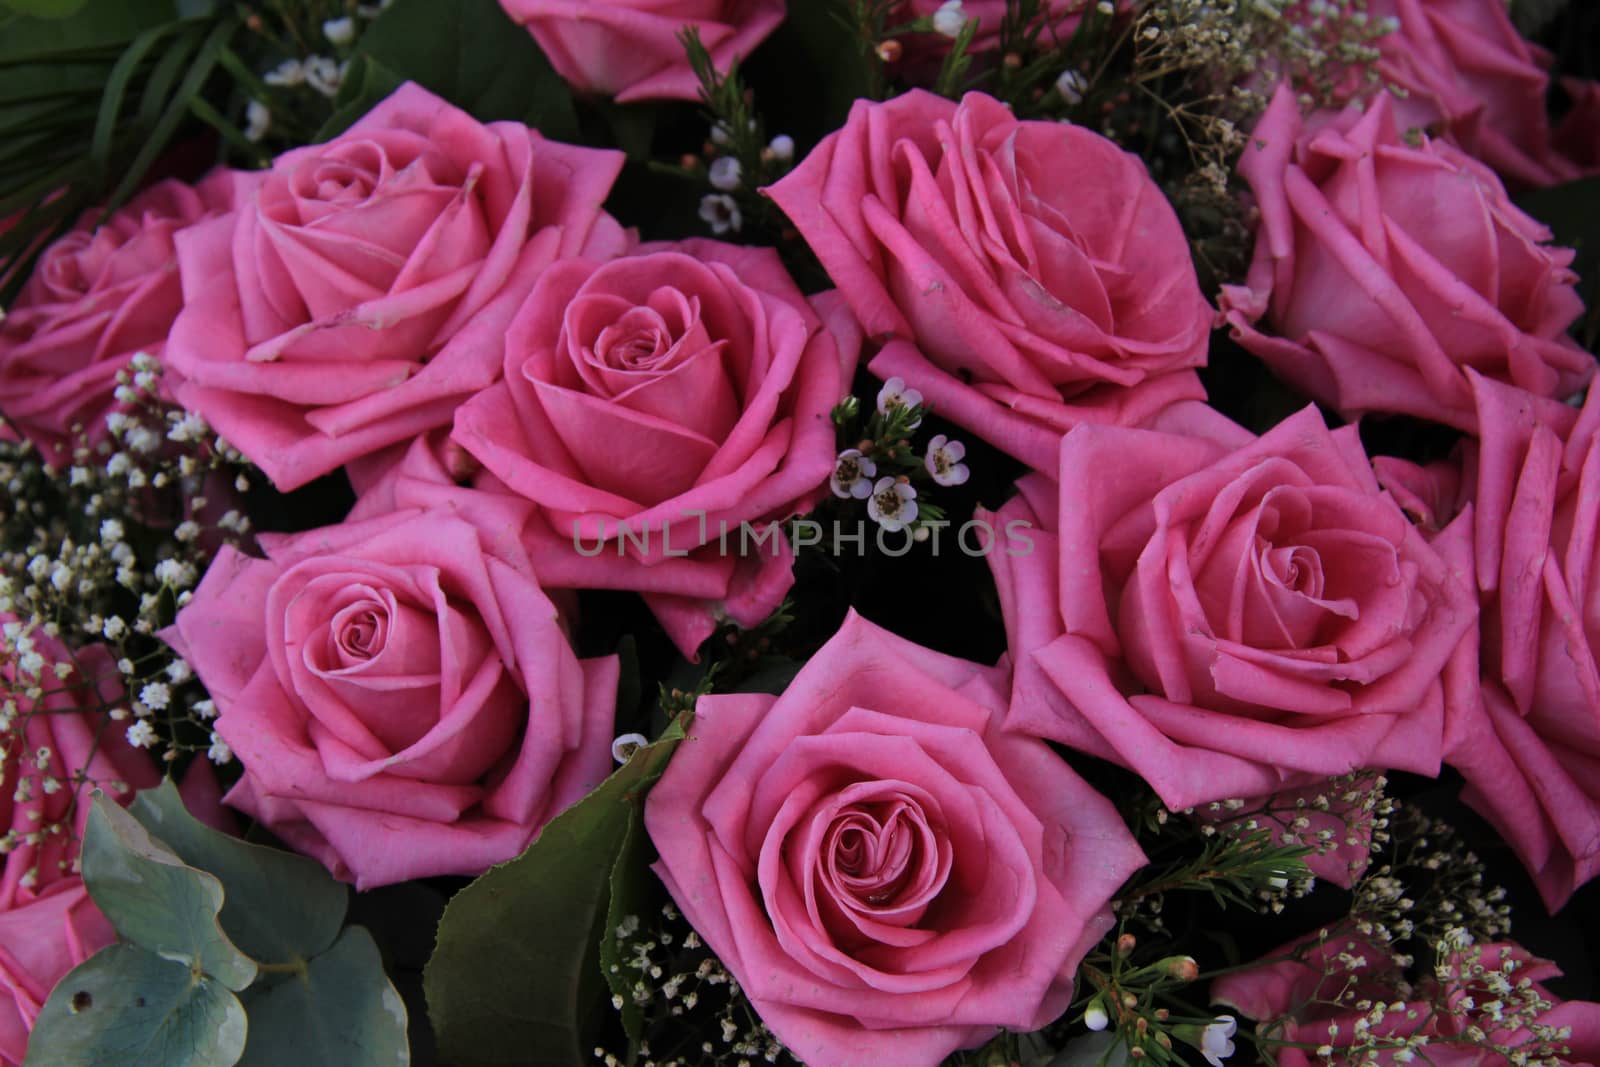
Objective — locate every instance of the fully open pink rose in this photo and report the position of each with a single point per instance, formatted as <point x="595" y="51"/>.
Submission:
<point x="1024" y="276"/>
<point x="1527" y="737"/>
<point x="1228" y="616"/>
<point x="888" y="874"/>
<point x="97" y="297"/>
<point x="401" y="694"/>
<point x="653" y="403"/>
<point x="630" y="49"/>
<point x="1294" y="1001"/>
<point x="360" y="295"/>
<point x="1384" y="268"/>
<point x="48" y="925"/>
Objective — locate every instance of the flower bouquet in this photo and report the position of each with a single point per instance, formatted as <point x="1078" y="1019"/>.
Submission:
<point x="1055" y="533"/>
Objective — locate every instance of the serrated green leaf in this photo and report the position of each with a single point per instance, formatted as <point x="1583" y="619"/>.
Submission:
<point x="473" y="55"/>
<point x="277" y="907"/>
<point x="540" y="918"/>
<point x="341" y="1012"/>
<point x="155" y="900"/>
<point x="127" y="1007"/>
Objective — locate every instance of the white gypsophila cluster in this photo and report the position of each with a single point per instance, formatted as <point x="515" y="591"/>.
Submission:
<point x="670" y="974"/>
<point x="107" y="554"/>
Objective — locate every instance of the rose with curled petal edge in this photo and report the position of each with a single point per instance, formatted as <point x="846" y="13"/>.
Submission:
<point x="97" y="297"/>
<point x="1383" y="269"/>
<point x="1525" y="729"/>
<point x="888" y="874"/>
<point x="631" y="49"/>
<point x="1023" y="276"/>
<point x="48" y="924"/>
<point x="360" y="295"/>
<point x="653" y="403"/>
<point x="1228" y="616"/>
<point x="1295" y="998"/>
<point x="400" y="692"/>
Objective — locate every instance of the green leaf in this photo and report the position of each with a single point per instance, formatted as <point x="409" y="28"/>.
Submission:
<point x="278" y="907"/>
<point x="540" y="918"/>
<point x="46" y="9"/>
<point x="630" y="884"/>
<point x="473" y="55"/>
<point x="340" y="1012"/>
<point x="1569" y="211"/>
<point x="154" y="900"/>
<point x="127" y="1007"/>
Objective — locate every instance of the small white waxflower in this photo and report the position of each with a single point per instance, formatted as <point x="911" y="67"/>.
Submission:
<point x="623" y="748"/>
<point x="721" y="212"/>
<point x="1071" y="85"/>
<point x="782" y="148"/>
<point x="324" y="75"/>
<point x="949" y="19"/>
<point x="219" y="752"/>
<point x="852" y="475"/>
<point x="1216" y="1041"/>
<point x="1095" y="1017"/>
<point x="725" y="174"/>
<point x="944" y="461"/>
<point x="287" y="75"/>
<point x="893" y="504"/>
<point x="141" y="734"/>
<point x="895" y="394"/>
<point x="155" y="695"/>
<point x="257" y="121"/>
<point x="339" y="32"/>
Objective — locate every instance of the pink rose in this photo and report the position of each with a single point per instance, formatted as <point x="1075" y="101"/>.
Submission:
<point x="1528" y="737"/>
<point x="359" y="297"/>
<point x="1463" y="67"/>
<point x="97" y="297"/>
<point x="1026" y="276"/>
<point x="652" y="403"/>
<point x="48" y="924"/>
<point x="630" y="49"/>
<point x="1228" y="616"/>
<point x="888" y="875"/>
<point x="401" y="694"/>
<point x="1383" y="268"/>
<point x="1295" y="1001"/>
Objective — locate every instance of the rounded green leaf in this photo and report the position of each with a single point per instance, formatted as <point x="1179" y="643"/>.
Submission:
<point x="341" y="1011"/>
<point x="277" y="907"/>
<point x="155" y="900"/>
<point x="127" y="1007"/>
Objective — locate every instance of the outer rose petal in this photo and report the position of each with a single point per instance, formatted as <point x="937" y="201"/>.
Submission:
<point x="926" y="724"/>
<point x="630" y="49"/>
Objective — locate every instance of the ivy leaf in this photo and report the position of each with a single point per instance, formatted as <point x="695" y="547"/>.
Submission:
<point x="278" y="907"/>
<point x="341" y="1010"/>
<point x="125" y="1006"/>
<point x="155" y="900"/>
<point x="540" y="918"/>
